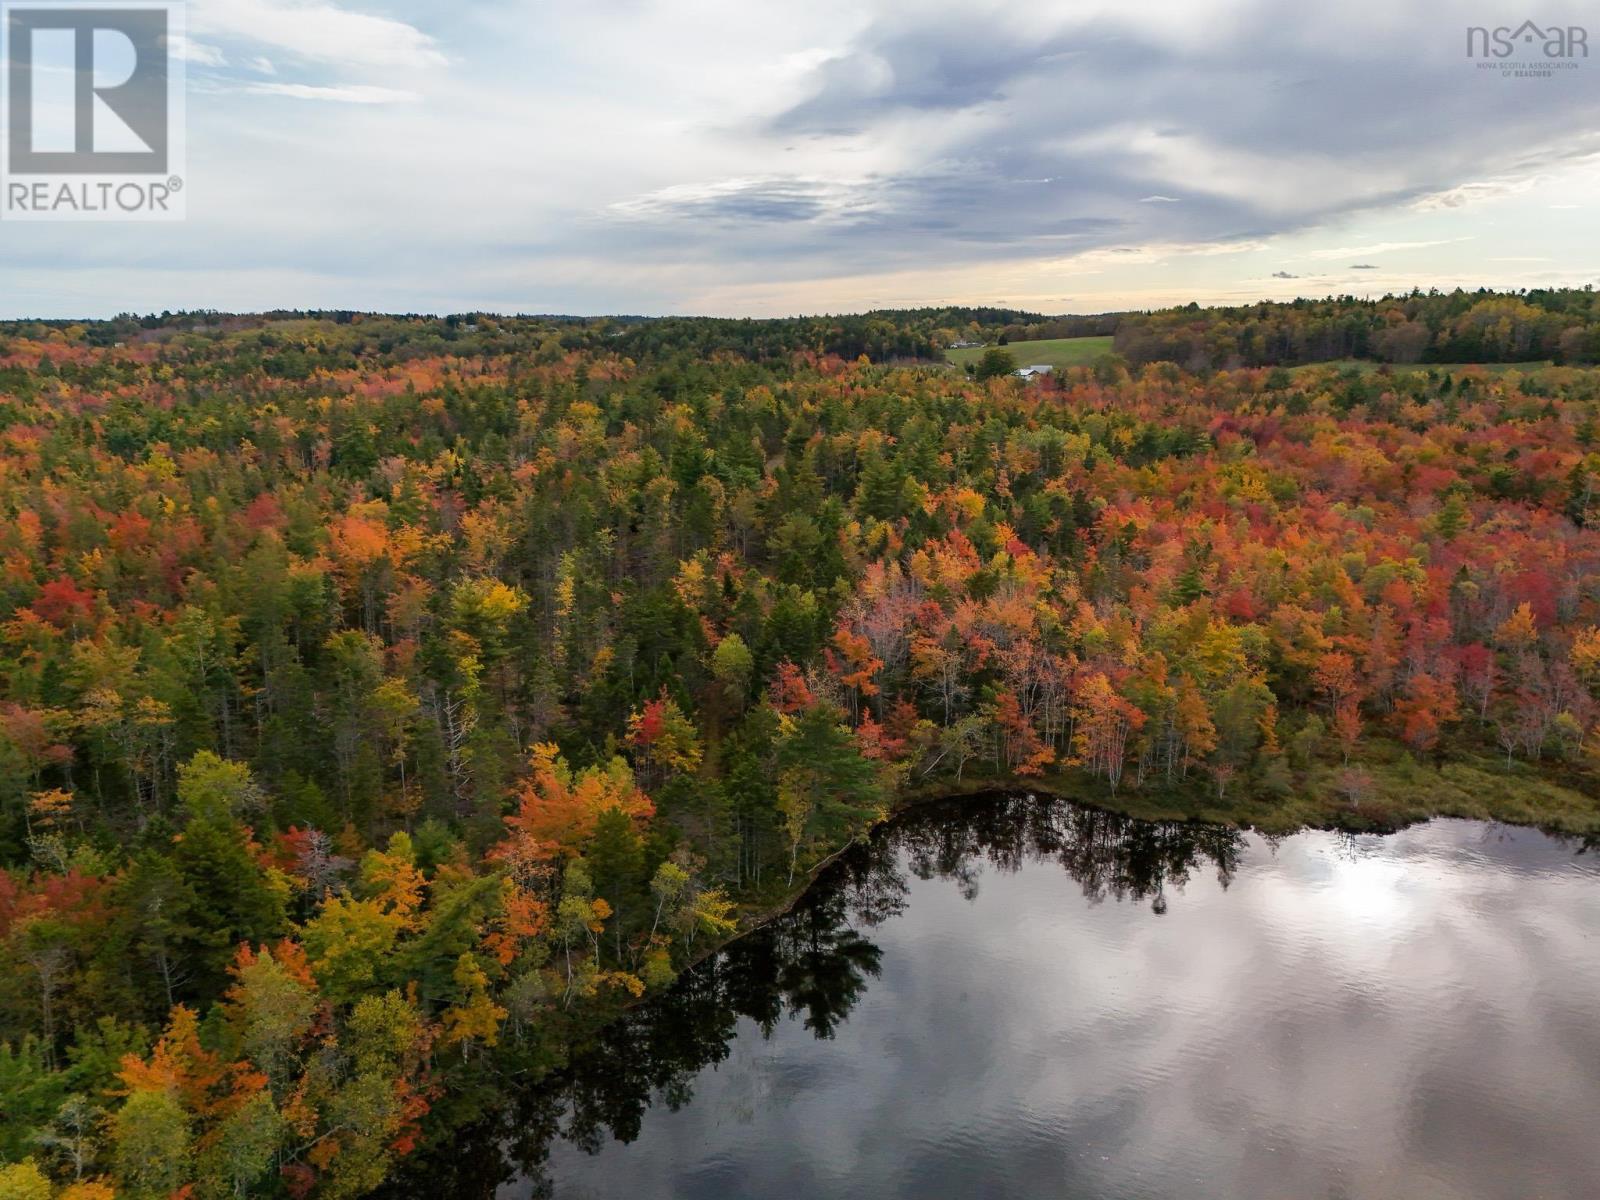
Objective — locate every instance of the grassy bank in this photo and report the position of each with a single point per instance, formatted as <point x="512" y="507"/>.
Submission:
<point x="1398" y="791"/>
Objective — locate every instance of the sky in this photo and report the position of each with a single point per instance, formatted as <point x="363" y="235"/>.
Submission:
<point x="749" y="158"/>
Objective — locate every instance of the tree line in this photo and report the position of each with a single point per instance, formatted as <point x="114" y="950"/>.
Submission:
<point x="1560" y="325"/>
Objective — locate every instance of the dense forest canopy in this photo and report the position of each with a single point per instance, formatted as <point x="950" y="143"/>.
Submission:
<point x="1560" y="325"/>
<point x="386" y="698"/>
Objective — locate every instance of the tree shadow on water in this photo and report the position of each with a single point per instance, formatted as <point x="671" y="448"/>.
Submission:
<point x="812" y="965"/>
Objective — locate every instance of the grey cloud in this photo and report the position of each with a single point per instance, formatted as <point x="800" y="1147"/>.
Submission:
<point x="781" y="199"/>
<point x="975" y="207"/>
<point x="1402" y="114"/>
<point x="922" y="68"/>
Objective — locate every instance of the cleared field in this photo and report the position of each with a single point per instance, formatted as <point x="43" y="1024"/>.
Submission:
<point x="1058" y="352"/>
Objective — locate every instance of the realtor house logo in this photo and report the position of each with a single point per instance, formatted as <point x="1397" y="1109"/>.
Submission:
<point x="1528" y="51"/>
<point x="93" y="98"/>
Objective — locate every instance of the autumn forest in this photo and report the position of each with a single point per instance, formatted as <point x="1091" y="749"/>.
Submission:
<point x="387" y="701"/>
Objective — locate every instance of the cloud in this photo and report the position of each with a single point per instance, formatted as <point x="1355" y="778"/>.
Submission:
<point x="921" y="66"/>
<point x="920" y="139"/>
<point x="318" y="32"/>
<point x="761" y="200"/>
<point x="871" y="211"/>
<point x="1472" y="193"/>
<point x="782" y="160"/>
<point x="1383" y="248"/>
<point x="1284" y="275"/>
<point x="195" y="52"/>
<point x="1363" y="266"/>
<point x="342" y="93"/>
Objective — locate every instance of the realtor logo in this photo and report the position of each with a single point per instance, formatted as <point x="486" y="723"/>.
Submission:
<point x="93" y="106"/>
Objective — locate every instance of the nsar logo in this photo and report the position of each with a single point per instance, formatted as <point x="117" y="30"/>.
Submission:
<point x="1528" y="51"/>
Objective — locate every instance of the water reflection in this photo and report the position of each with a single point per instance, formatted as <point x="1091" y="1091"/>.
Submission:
<point x="811" y="965"/>
<point x="814" y="964"/>
<point x="1102" y="1007"/>
<point x="1109" y="855"/>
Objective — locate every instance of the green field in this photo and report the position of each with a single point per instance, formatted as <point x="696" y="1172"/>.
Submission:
<point x="1058" y="352"/>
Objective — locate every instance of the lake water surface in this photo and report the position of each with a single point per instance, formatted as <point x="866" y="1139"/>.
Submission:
<point x="1011" y="997"/>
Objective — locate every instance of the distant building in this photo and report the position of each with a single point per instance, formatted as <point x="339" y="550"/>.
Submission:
<point x="965" y="345"/>
<point x="1030" y="372"/>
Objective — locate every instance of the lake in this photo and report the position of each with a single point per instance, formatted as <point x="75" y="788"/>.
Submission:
<point x="1019" y="997"/>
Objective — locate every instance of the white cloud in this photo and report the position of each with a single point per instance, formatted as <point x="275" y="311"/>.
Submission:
<point x="343" y="93"/>
<point x="1383" y="248"/>
<point x="1472" y="193"/>
<point x="195" y="52"/>
<point x="318" y="32"/>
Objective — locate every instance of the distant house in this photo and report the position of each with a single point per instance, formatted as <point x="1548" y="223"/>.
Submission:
<point x="964" y="345"/>
<point x="1030" y="372"/>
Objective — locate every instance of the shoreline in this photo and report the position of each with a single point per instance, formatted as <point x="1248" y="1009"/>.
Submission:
<point x="1245" y="811"/>
<point x="1074" y="788"/>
